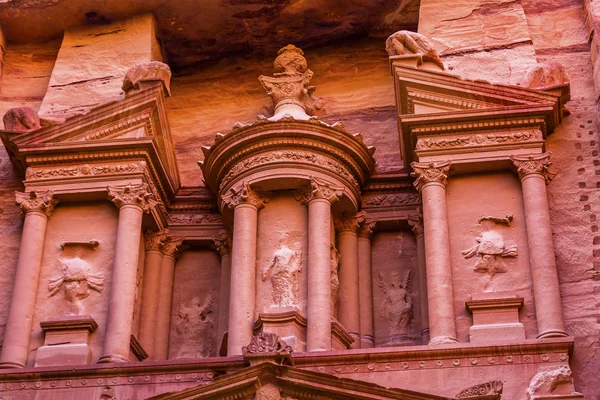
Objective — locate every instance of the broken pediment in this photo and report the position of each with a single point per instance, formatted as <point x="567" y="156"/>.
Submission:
<point x="441" y="114"/>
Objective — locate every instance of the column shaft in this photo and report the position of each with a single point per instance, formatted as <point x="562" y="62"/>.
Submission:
<point x="149" y="305"/>
<point x="243" y="272"/>
<point x="365" y="293"/>
<point x="424" y="307"/>
<point x="224" y="296"/>
<point x="348" y="305"/>
<point x="163" y="311"/>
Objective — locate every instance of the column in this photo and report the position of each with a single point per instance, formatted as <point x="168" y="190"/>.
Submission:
<point x="365" y="284"/>
<point x="245" y="203"/>
<point x="170" y="250"/>
<point x="222" y="243"/>
<point x="348" y="299"/>
<point x="416" y="224"/>
<point x="431" y="182"/>
<point x="319" y="308"/>
<point x="534" y="174"/>
<point x="37" y="208"/>
<point x="132" y="202"/>
<point x="151" y="283"/>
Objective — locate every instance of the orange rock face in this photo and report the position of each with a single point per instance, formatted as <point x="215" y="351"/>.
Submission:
<point x="248" y="199"/>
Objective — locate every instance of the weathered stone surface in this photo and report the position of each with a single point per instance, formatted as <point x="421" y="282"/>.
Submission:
<point x="21" y="119"/>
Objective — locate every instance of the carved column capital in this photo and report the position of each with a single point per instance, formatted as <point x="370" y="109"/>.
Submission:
<point x="135" y="195"/>
<point x="222" y="243"/>
<point x="155" y="240"/>
<point x="350" y="223"/>
<point x="433" y="172"/>
<point x="538" y="164"/>
<point x="366" y="229"/>
<point x="172" y="246"/>
<point x="36" y="201"/>
<point x="244" y="194"/>
<point x="320" y="189"/>
<point x="416" y="224"/>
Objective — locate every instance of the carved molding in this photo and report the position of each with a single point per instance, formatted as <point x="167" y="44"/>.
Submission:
<point x="155" y="240"/>
<point x="84" y="170"/>
<point x="391" y="199"/>
<point x="505" y="123"/>
<point x="350" y="223"/>
<point x="436" y="143"/>
<point x="36" y="201"/>
<point x="136" y="195"/>
<point x="491" y="388"/>
<point x="320" y="189"/>
<point x="244" y="194"/>
<point x="222" y="243"/>
<point x="266" y="342"/>
<point x="194" y="219"/>
<point x="535" y="164"/>
<point x="432" y="172"/>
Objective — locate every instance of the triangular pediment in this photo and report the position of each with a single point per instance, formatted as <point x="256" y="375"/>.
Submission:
<point x="435" y="104"/>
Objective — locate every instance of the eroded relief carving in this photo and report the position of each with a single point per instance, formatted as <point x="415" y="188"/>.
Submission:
<point x="283" y="272"/>
<point x="196" y="326"/>
<point x="334" y="258"/>
<point x="76" y="281"/>
<point x="478" y="140"/>
<point x="407" y="42"/>
<point x="547" y="380"/>
<point x="391" y="199"/>
<point x="490" y="388"/>
<point x="491" y="248"/>
<point x="398" y="306"/>
<point x="266" y="342"/>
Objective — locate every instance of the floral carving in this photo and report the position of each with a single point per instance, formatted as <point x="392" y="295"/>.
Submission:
<point x="244" y="194"/>
<point x="347" y="223"/>
<point x="398" y="305"/>
<point x="195" y="323"/>
<point x="491" y="247"/>
<point x="289" y="155"/>
<point x="194" y="219"/>
<point x="222" y="242"/>
<point x="538" y="164"/>
<point x="155" y="240"/>
<point x="266" y="342"/>
<point x="408" y="42"/>
<point x="320" y="189"/>
<point x="478" y="140"/>
<point x="36" y="201"/>
<point x="334" y="261"/>
<point x="490" y="388"/>
<point x="137" y="195"/>
<point x="366" y="229"/>
<point x="391" y="199"/>
<point x="84" y="170"/>
<point x="172" y="246"/>
<point x="430" y="173"/>
<point x="76" y="280"/>
<point x="283" y="272"/>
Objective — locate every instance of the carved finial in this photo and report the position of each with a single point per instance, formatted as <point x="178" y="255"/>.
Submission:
<point x="491" y="388"/>
<point x="289" y="87"/>
<point x="222" y="242"/>
<point x="429" y="173"/>
<point x="538" y="164"/>
<point x="147" y="72"/>
<point x="21" y="119"/>
<point x="137" y="195"/>
<point x="36" y="201"/>
<point x="244" y="194"/>
<point x="407" y="42"/>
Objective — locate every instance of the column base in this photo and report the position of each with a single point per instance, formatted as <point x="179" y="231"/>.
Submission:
<point x="10" y="364"/>
<point x="367" y="342"/>
<point x="425" y="336"/>
<point x="442" y="340"/>
<point x="552" y="333"/>
<point x="112" y="358"/>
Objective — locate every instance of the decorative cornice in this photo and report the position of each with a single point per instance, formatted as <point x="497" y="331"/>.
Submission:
<point x="84" y="170"/>
<point x="244" y="194"/>
<point x="535" y="164"/>
<point x="36" y="201"/>
<point x="479" y="139"/>
<point x="366" y="228"/>
<point x="430" y="173"/>
<point x="222" y="243"/>
<point x="320" y="189"/>
<point x="154" y="240"/>
<point x="350" y="223"/>
<point x="136" y="195"/>
<point x="495" y="124"/>
<point x="172" y="246"/>
<point x="416" y="224"/>
<point x="491" y="388"/>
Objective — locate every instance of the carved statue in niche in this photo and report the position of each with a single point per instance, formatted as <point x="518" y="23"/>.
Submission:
<point x="407" y="42"/>
<point x="196" y="326"/>
<point x="491" y="247"/>
<point x="334" y="257"/>
<point x="283" y="271"/>
<point x="76" y="281"/>
<point x="398" y="305"/>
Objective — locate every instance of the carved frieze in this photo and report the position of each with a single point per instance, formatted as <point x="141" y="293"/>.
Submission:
<point x="244" y="194"/>
<point x="137" y="195"/>
<point x="36" y="201"/>
<point x="398" y="306"/>
<point x="391" y="199"/>
<point x="491" y="388"/>
<point x="491" y="247"/>
<point x="535" y="164"/>
<point x="84" y="170"/>
<point x="196" y="326"/>
<point x="194" y="219"/>
<point x="429" y="173"/>
<point x="435" y="143"/>
<point x="283" y="271"/>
